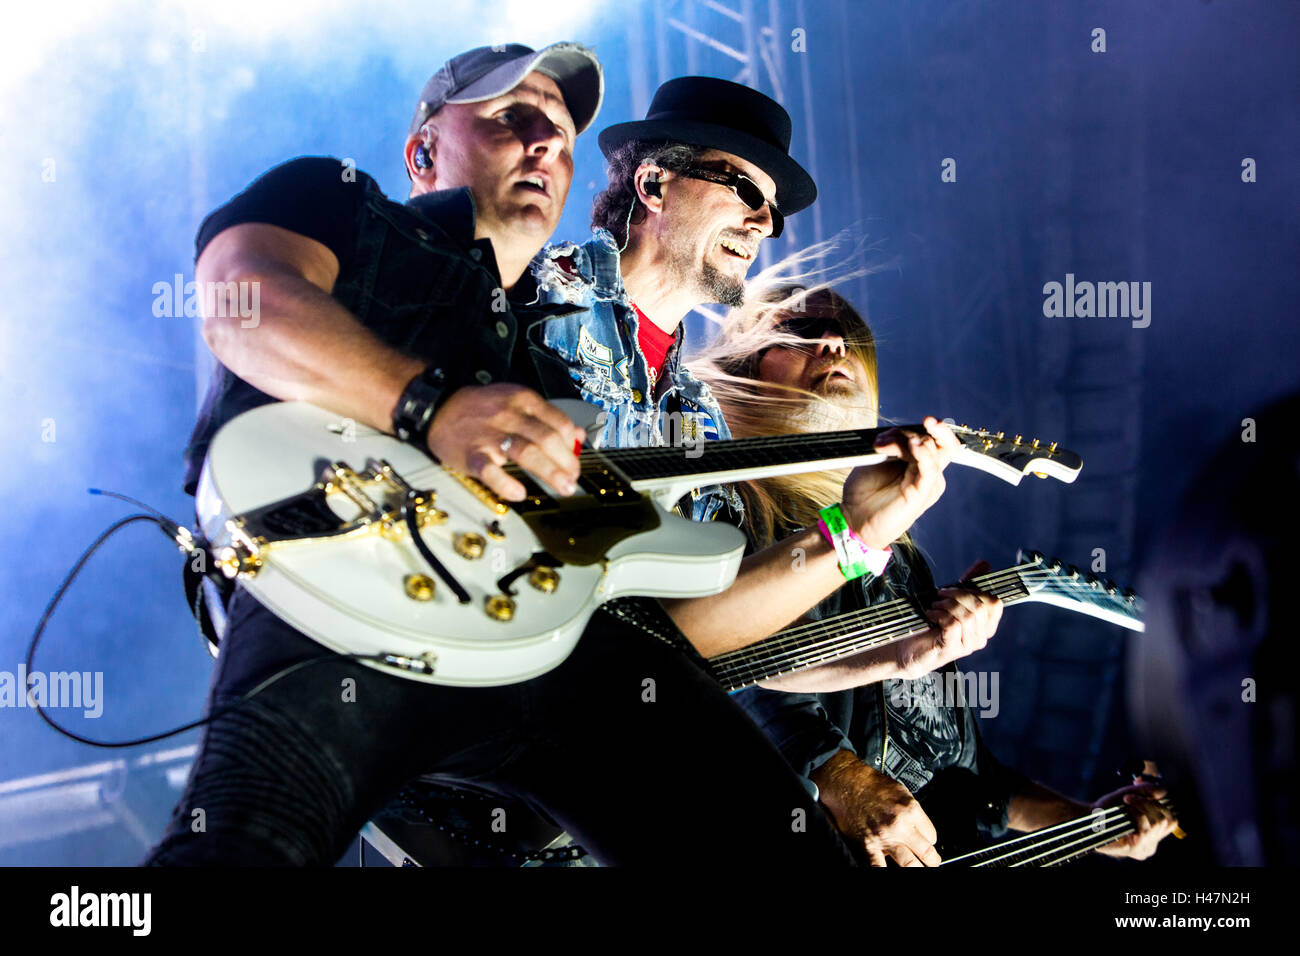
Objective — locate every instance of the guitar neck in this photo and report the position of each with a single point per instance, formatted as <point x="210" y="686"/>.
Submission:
<point x="744" y="459"/>
<point x="819" y="642"/>
<point x="1055" y="845"/>
<point x="667" y="472"/>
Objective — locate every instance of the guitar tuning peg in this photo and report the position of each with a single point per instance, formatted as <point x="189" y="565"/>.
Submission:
<point x="1035" y="445"/>
<point x="1016" y="441"/>
<point x="1001" y="435"/>
<point x="1054" y="566"/>
<point x="1111" y="589"/>
<point x="1073" y="572"/>
<point x="1130" y="597"/>
<point x="1052" y="447"/>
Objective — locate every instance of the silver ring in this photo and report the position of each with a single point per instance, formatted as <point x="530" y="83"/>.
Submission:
<point x="506" y="443"/>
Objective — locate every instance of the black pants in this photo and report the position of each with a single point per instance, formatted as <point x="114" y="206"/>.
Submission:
<point x="290" y="776"/>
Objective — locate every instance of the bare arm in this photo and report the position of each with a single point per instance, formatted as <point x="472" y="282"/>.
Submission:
<point x="302" y="345"/>
<point x="876" y="812"/>
<point x="772" y="588"/>
<point x="1036" y="806"/>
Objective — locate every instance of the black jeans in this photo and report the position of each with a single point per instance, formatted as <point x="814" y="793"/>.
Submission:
<point x="289" y="777"/>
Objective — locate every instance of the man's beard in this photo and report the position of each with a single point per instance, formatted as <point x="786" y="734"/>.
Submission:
<point x="721" y="288"/>
<point x="711" y="283"/>
<point x="841" y="406"/>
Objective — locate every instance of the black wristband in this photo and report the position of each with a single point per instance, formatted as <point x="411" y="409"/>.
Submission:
<point x="415" y="409"/>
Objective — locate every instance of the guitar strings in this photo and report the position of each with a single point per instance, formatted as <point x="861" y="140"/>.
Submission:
<point x="1065" y="840"/>
<point x="1012" y="849"/>
<point x="862" y="623"/>
<point x="1004" y="583"/>
<point x="797" y="637"/>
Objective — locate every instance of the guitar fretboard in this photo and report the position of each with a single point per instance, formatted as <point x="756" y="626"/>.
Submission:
<point x="741" y="454"/>
<point x="1058" y="844"/>
<point x="820" y="642"/>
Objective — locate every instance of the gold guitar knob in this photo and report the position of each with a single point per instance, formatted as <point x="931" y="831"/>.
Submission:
<point x="236" y="560"/>
<point x="499" y="607"/>
<point x="419" y="587"/>
<point x="470" y="545"/>
<point x="544" y="579"/>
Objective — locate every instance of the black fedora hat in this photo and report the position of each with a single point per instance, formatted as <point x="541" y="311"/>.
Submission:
<point x="718" y="114"/>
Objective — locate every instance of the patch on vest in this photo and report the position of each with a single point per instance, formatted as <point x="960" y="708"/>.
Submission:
<point x="593" y="352"/>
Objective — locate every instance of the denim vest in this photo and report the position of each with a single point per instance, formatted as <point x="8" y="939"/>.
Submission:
<point x="598" y="344"/>
<point x="422" y="283"/>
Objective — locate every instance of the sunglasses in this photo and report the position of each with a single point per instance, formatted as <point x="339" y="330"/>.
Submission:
<point x="812" y="328"/>
<point x="746" y="191"/>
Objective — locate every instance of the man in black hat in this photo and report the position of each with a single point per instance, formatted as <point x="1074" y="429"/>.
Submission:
<point x="694" y="188"/>
<point x="390" y="313"/>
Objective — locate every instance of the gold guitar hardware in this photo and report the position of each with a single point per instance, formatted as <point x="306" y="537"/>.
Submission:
<point x="470" y="545"/>
<point x="237" y="560"/>
<point x="426" y="513"/>
<point x="244" y="556"/>
<point x="419" y="587"/>
<point x="499" y="607"/>
<point x="480" y="491"/>
<point x="496" y="532"/>
<point x="544" y="579"/>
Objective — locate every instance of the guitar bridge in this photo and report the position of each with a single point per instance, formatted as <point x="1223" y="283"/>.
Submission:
<point x="378" y="493"/>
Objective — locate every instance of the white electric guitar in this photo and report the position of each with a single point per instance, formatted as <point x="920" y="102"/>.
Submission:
<point x="369" y="547"/>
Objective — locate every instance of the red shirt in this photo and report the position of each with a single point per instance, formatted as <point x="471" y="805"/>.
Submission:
<point x="654" y="342"/>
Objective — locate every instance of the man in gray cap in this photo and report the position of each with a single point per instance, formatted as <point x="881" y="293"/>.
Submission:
<point x="392" y="314"/>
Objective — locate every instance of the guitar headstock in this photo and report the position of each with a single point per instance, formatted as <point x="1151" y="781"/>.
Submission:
<point x="1051" y="582"/>
<point x="1012" y="457"/>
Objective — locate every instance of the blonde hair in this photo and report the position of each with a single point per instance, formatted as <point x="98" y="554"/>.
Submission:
<point x="753" y="407"/>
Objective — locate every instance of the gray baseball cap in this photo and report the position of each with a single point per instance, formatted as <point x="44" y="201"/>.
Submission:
<point x="490" y="71"/>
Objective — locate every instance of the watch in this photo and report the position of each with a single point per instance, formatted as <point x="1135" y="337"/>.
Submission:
<point x="416" y="407"/>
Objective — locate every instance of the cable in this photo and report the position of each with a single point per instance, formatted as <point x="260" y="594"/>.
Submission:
<point x="180" y="535"/>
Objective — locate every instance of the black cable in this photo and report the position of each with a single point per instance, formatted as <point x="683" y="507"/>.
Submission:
<point x="167" y="526"/>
